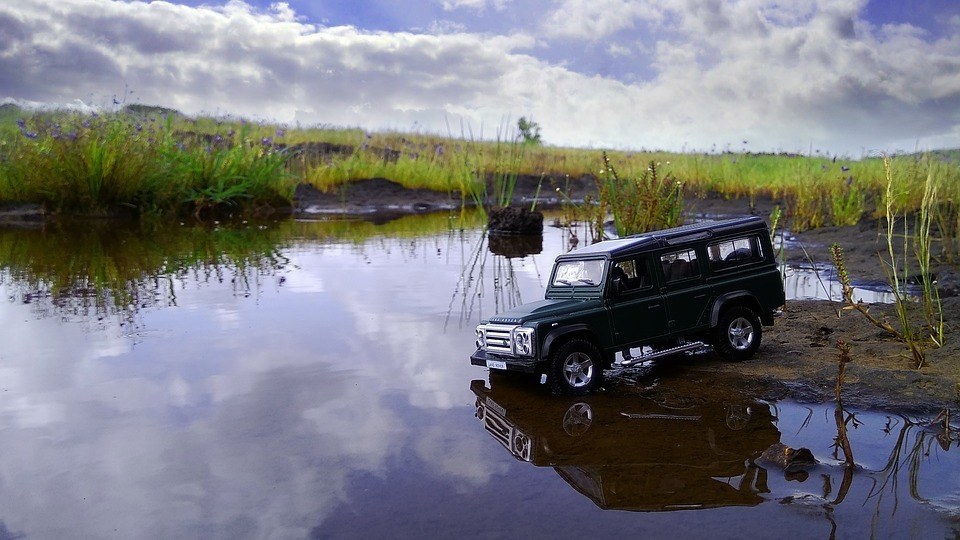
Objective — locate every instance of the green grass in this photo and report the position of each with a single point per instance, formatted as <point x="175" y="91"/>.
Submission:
<point x="99" y="164"/>
<point x="156" y="164"/>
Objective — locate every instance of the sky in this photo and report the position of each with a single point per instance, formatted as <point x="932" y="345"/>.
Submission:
<point x="847" y="77"/>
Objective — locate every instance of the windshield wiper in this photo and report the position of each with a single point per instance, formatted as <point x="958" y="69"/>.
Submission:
<point x="587" y="281"/>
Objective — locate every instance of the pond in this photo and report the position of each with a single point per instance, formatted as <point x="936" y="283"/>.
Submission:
<point x="299" y="379"/>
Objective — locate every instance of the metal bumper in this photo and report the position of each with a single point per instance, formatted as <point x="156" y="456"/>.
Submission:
<point x="526" y="365"/>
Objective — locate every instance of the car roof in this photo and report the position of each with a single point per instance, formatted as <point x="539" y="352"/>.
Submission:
<point x="667" y="237"/>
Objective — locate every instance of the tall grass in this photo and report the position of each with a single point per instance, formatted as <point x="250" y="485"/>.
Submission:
<point x="87" y="164"/>
<point x="97" y="164"/>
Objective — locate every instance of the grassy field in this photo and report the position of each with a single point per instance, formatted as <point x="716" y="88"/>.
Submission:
<point x="153" y="162"/>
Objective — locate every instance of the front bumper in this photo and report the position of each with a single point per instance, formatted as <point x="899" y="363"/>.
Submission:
<point x="523" y="365"/>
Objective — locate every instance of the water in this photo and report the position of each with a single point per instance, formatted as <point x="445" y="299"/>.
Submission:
<point x="311" y="379"/>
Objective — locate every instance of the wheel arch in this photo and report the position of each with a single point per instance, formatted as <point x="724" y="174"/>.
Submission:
<point x="733" y="299"/>
<point x="559" y="335"/>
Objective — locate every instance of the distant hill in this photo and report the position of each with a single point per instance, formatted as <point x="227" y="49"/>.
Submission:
<point x="951" y="155"/>
<point x="148" y="110"/>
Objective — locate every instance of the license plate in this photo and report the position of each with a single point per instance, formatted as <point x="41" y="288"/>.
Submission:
<point x="494" y="406"/>
<point x="496" y="364"/>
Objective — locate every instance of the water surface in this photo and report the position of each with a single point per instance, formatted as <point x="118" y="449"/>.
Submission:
<point x="311" y="379"/>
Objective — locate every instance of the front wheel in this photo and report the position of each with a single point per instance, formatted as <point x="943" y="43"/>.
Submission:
<point x="576" y="368"/>
<point x="737" y="335"/>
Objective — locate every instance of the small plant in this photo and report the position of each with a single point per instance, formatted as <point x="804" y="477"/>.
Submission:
<point x="651" y="201"/>
<point x="904" y="334"/>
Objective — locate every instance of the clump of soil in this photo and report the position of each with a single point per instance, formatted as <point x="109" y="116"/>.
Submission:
<point x="513" y="220"/>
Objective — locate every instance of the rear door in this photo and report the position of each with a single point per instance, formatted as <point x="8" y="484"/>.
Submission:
<point x="685" y="293"/>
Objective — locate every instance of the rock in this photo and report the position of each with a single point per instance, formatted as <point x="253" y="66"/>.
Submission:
<point x="788" y="458"/>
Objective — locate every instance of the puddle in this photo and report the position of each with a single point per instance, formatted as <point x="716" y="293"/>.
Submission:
<point x="311" y="379"/>
<point x="674" y="444"/>
<point x="819" y="282"/>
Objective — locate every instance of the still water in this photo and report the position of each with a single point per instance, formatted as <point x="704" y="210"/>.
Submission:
<point x="311" y="380"/>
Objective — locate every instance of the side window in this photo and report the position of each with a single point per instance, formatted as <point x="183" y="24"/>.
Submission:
<point x="733" y="253"/>
<point x="679" y="265"/>
<point x="632" y="274"/>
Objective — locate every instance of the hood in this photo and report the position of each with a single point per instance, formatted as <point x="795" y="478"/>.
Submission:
<point x="542" y="309"/>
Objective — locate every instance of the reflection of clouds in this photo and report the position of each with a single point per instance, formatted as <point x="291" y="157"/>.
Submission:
<point x="305" y="281"/>
<point x="233" y="417"/>
<point x="228" y="319"/>
<point x="454" y="456"/>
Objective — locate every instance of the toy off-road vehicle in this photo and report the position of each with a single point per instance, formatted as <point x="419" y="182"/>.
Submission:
<point x="645" y="296"/>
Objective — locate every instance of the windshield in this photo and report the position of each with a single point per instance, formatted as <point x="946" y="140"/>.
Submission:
<point x="578" y="273"/>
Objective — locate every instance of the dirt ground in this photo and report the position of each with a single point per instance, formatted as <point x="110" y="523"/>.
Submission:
<point x="800" y="351"/>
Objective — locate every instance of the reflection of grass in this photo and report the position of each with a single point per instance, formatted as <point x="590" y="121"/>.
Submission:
<point x="101" y="270"/>
<point x="358" y="231"/>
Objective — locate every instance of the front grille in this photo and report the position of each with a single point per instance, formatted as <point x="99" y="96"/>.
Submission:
<point x="497" y="338"/>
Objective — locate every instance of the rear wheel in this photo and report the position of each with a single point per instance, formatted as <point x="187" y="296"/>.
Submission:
<point x="576" y="368"/>
<point x="738" y="333"/>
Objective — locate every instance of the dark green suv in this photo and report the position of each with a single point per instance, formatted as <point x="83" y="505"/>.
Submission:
<point x="645" y="296"/>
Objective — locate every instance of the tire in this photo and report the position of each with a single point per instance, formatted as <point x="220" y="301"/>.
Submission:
<point x="576" y="368"/>
<point x="738" y="334"/>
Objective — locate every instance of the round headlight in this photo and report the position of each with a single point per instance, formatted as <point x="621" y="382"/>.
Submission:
<point x="522" y="341"/>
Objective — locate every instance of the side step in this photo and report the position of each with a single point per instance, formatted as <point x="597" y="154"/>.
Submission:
<point x="693" y="345"/>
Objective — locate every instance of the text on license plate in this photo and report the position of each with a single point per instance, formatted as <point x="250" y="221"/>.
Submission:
<point x="496" y="364"/>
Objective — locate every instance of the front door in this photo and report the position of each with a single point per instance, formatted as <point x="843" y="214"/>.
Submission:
<point x="637" y="311"/>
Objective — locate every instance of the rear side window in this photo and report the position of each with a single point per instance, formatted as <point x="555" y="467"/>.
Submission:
<point x="679" y="265"/>
<point x="734" y="253"/>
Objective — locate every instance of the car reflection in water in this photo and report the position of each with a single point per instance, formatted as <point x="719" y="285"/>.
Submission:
<point x="632" y="452"/>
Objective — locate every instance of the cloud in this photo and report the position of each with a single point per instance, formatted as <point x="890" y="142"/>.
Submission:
<point x="786" y="75"/>
<point x="598" y="19"/>
<point x="476" y="5"/>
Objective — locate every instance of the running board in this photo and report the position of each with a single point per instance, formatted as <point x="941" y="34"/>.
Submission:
<point x="660" y="354"/>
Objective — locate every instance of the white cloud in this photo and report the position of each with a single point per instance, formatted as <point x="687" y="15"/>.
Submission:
<point x="477" y="5"/>
<point x="783" y="75"/>
<point x="597" y="19"/>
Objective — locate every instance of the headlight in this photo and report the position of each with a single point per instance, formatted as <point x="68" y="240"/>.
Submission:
<point x="481" y="339"/>
<point x="523" y="341"/>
